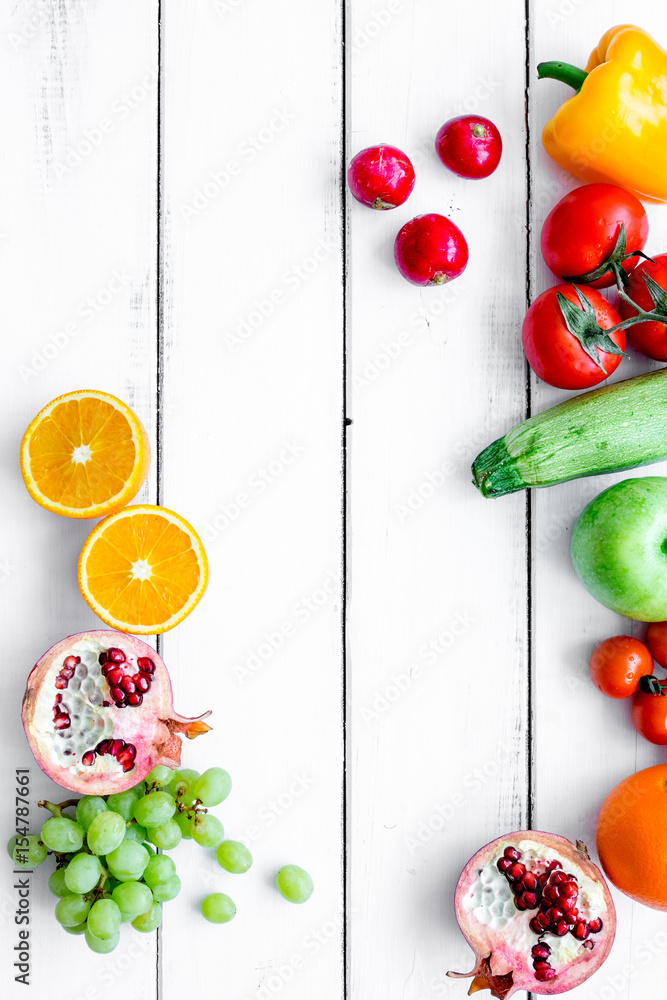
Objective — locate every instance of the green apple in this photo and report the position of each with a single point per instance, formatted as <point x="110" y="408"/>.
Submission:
<point x="619" y="548"/>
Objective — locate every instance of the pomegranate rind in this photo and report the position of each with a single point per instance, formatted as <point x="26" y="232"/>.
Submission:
<point x="504" y="971"/>
<point x="156" y="728"/>
<point x="87" y="584"/>
<point x="131" y="486"/>
<point x="632" y="836"/>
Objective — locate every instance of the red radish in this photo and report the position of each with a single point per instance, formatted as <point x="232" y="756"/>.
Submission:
<point x="430" y="250"/>
<point x="381" y="177"/>
<point x="546" y="941"/>
<point x="470" y="146"/>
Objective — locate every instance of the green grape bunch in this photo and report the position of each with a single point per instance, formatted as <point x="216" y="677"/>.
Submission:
<point x="108" y="872"/>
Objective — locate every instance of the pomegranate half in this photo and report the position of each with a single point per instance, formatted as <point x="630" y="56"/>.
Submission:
<point x="98" y="713"/>
<point x="537" y="913"/>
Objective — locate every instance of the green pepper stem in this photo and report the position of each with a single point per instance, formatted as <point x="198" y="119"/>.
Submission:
<point x="565" y="72"/>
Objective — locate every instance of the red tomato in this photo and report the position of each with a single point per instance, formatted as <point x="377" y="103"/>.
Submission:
<point x="649" y="716"/>
<point x="555" y="354"/>
<point x="649" y="338"/>
<point x="470" y="146"/>
<point x="580" y="233"/>
<point x="617" y="664"/>
<point x="656" y="640"/>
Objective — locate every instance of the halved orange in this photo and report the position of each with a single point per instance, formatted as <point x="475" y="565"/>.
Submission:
<point x="143" y="569"/>
<point x="84" y="455"/>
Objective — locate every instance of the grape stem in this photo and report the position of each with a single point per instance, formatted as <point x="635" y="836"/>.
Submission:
<point x="57" y="807"/>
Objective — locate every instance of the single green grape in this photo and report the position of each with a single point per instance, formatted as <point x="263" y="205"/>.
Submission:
<point x="166" y="836"/>
<point x="122" y="802"/>
<point x="27" y="852"/>
<point x="181" y="784"/>
<point x="160" y="869"/>
<point x="62" y="834"/>
<point x="77" y="929"/>
<point x="72" y="910"/>
<point x="184" y="824"/>
<point x="212" y="787"/>
<point x="294" y="884"/>
<point x="160" y="776"/>
<point x="101" y="946"/>
<point x="83" y="873"/>
<point x="167" y="890"/>
<point x="154" y="809"/>
<point x="135" y="832"/>
<point x="57" y="883"/>
<point x="233" y="857"/>
<point x="127" y="861"/>
<point x="88" y="808"/>
<point x="104" y="919"/>
<point x="132" y="899"/>
<point x="218" y="908"/>
<point x="207" y="830"/>
<point x="148" y="921"/>
<point x="139" y="789"/>
<point x="106" y="832"/>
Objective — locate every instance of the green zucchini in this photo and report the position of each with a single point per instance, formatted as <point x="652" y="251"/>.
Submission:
<point x="620" y="426"/>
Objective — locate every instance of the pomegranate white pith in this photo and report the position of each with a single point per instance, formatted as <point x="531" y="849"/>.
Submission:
<point x="98" y="713"/>
<point x="537" y="912"/>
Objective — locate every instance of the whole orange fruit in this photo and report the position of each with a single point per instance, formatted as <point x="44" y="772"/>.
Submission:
<point x="632" y="836"/>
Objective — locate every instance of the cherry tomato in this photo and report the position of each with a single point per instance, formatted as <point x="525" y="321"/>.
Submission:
<point x="617" y="665"/>
<point x="656" y="640"/>
<point x="649" y="716"/>
<point x="579" y="234"/>
<point x="649" y="338"/>
<point x="381" y="177"/>
<point x="555" y="354"/>
<point x="470" y="146"/>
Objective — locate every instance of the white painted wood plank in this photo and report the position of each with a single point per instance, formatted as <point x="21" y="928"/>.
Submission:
<point x="77" y="190"/>
<point x="252" y="455"/>
<point x="438" y="575"/>
<point x="584" y="743"/>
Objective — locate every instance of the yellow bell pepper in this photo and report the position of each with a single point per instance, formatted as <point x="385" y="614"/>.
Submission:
<point x="614" y="129"/>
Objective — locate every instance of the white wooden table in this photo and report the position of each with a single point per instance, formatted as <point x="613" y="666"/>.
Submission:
<point x="174" y="229"/>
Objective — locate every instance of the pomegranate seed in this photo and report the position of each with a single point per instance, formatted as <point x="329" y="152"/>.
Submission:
<point x="114" y="676"/>
<point x="519" y="903"/>
<point x="561" y="928"/>
<point x="554" y="914"/>
<point x="133" y="750"/>
<point x="103" y="747"/>
<point x="143" y="683"/>
<point x="551" y="894"/>
<point x="515" y="872"/>
<point x="558" y="877"/>
<point x="115" y="746"/>
<point x="595" y="926"/>
<point x="127" y="684"/>
<point x="581" y="930"/>
<point x="128" y="766"/>
<point x="553" y="865"/>
<point x="61" y="683"/>
<point x="542" y="881"/>
<point x="59" y="698"/>
<point x="135" y="699"/>
<point x="106" y="704"/>
<point x="123" y="756"/>
<point x="504" y="864"/>
<point x="540" y="964"/>
<point x="517" y="887"/>
<point x="63" y="722"/>
<point x="568" y="889"/>
<point x="530" y="881"/>
<point x="509" y="852"/>
<point x="146" y="665"/>
<point x="546" y="975"/>
<point x="117" y="694"/>
<point x="588" y="945"/>
<point x="116" y="655"/>
<point x="67" y="672"/>
<point x="535" y="926"/>
<point x="530" y="899"/>
<point x="542" y="922"/>
<point x="88" y="758"/>
<point x="540" y="951"/>
<point x="71" y="661"/>
<point x="102" y="657"/>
